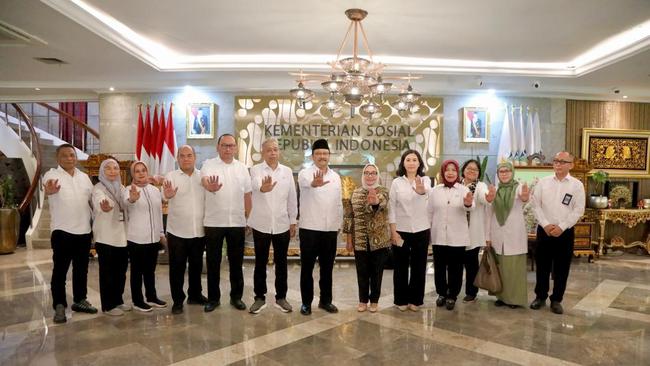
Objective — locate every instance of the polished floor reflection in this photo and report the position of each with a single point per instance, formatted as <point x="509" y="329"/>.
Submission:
<point x="606" y="322"/>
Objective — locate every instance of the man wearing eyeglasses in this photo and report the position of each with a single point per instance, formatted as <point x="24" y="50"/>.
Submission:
<point x="558" y="203"/>
<point x="227" y="205"/>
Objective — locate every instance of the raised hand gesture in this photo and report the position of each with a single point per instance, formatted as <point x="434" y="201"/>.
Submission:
<point x="524" y="196"/>
<point x="213" y="184"/>
<point x="468" y="199"/>
<point x="491" y="193"/>
<point x="267" y="184"/>
<point x="318" y="179"/>
<point x="372" y="198"/>
<point x="168" y="189"/>
<point x="105" y="205"/>
<point x="52" y="187"/>
<point x="419" y="186"/>
<point x="134" y="194"/>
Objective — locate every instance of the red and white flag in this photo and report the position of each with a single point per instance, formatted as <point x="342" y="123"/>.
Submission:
<point x="160" y="140"/>
<point x="138" y="143"/>
<point x="147" y="153"/>
<point x="154" y="158"/>
<point x="168" y="156"/>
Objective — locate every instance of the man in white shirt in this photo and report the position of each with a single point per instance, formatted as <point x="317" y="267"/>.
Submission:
<point x="68" y="190"/>
<point x="558" y="202"/>
<point x="321" y="216"/>
<point x="273" y="220"/>
<point x="227" y="205"/>
<point x="185" y="233"/>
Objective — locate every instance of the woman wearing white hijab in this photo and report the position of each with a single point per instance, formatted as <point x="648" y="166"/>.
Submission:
<point x="109" y="231"/>
<point x="368" y="233"/>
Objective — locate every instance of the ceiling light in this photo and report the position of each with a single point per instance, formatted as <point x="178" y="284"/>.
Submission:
<point x="625" y="97"/>
<point x="37" y="89"/>
<point x="111" y="89"/>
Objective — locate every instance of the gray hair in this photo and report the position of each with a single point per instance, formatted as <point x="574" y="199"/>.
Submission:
<point x="269" y="141"/>
<point x="180" y="148"/>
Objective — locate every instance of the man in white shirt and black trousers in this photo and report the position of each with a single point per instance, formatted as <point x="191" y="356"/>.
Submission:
<point x="185" y="232"/>
<point x="69" y="190"/>
<point x="321" y="216"/>
<point x="273" y="220"/>
<point x="558" y="203"/>
<point x="227" y="205"/>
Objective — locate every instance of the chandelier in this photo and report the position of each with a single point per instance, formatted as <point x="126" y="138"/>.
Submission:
<point x="356" y="82"/>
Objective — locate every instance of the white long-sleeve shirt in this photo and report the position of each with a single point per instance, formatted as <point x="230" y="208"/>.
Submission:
<point x="186" y="208"/>
<point x="478" y="217"/>
<point x="321" y="208"/>
<point x="108" y="227"/>
<point x="407" y="209"/>
<point x="511" y="238"/>
<point x="70" y="207"/>
<point x="448" y="215"/>
<point x="273" y="212"/>
<point x="225" y="207"/>
<point x="144" y="216"/>
<point x="561" y="203"/>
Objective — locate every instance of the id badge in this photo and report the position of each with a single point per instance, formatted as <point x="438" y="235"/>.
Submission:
<point x="567" y="199"/>
<point x="120" y="215"/>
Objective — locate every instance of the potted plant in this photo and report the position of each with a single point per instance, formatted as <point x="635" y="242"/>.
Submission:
<point x="598" y="200"/>
<point x="9" y="216"/>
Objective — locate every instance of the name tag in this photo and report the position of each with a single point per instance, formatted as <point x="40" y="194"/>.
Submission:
<point x="567" y="199"/>
<point x="120" y="215"/>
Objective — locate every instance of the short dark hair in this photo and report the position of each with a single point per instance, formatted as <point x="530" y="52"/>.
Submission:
<point x="465" y="164"/>
<point x="401" y="171"/>
<point x="224" y="135"/>
<point x="65" y="146"/>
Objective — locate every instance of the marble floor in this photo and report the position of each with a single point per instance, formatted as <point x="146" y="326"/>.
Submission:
<point x="606" y="322"/>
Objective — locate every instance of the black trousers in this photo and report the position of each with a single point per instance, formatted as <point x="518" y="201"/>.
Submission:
<point x="448" y="268"/>
<point x="69" y="248"/>
<point x="471" y="269"/>
<point x="144" y="258"/>
<point x="113" y="262"/>
<point x="413" y="254"/>
<point x="263" y="243"/>
<point x="185" y="252"/>
<point x="235" y="249"/>
<point x="370" y="272"/>
<point x="322" y="245"/>
<point x="553" y="254"/>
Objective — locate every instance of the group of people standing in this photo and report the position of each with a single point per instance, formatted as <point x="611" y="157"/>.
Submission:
<point x="216" y="203"/>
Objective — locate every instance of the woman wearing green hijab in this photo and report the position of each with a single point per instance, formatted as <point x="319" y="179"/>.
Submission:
<point x="507" y="235"/>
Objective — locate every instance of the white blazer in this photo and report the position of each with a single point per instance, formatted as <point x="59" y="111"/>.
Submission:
<point x="448" y="216"/>
<point x="511" y="238"/>
<point x="478" y="218"/>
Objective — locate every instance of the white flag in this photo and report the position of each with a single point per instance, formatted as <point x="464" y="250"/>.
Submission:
<point x="505" y="141"/>
<point x="537" y="135"/>
<point x="530" y="138"/>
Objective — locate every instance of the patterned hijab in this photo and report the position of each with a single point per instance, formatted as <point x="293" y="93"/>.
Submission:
<point x="505" y="197"/>
<point x="146" y="183"/>
<point x="363" y="181"/>
<point x="445" y="163"/>
<point x="114" y="187"/>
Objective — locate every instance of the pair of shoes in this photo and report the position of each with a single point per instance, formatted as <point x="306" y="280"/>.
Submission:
<point x="305" y="309"/>
<point x="257" y="306"/>
<point x="142" y="307"/>
<point x="469" y="298"/>
<point x="556" y="307"/>
<point x="177" y="308"/>
<point x="450" y="304"/>
<point x="330" y="308"/>
<point x="198" y="301"/>
<point x="157" y="303"/>
<point x="373" y="307"/>
<point x="414" y="308"/>
<point x="59" y="314"/>
<point x="283" y="305"/>
<point x="125" y="307"/>
<point x="499" y="303"/>
<point x="537" y="303"/>
<point x="116" y="311"/>
<point x="238" y="304"/>
<point x="402" y="307"/>
<point x="362" y="307"/>
<point x="211" y="305"/>
<point x="440" y="301"/>
<point x="84" y="306"/>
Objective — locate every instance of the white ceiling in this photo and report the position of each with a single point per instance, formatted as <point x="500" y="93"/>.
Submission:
<point x="248" y="46"/>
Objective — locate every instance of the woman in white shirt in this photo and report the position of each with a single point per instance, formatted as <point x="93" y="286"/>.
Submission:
<point x="471" y="171"/>
<point x="507" y="234"/>
<point x="407" y="216"/>
<point x="448" y="204"/>
<point x="109" y="231"/>
<point x="145" y="231"/>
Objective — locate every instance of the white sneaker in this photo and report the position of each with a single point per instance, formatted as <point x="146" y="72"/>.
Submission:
<point x="125" y="307"/>
<point x="114" y="312"/>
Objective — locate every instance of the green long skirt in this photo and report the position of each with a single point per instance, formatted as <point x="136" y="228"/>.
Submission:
<point x="513" y="277"/>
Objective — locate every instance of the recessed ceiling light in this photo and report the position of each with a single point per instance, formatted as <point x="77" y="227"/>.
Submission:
<point x="625" y="97"/>
<point x="111" y="89"/>
<point x="37" y="89"/>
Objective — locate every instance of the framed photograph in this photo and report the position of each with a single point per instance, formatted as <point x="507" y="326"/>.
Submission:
<point x="621" y="153"/>
<point x="200" y="121"/>
<point x="476" y="123"/>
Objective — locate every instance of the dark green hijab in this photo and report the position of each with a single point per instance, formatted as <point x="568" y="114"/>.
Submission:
<point x="505" y="197"/>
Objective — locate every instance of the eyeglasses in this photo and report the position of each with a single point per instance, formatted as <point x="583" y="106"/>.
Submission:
<point x="228" y="146"/>
<point x="471" y="170"/>
<point x="561" y="162"/>
<point x="504" y="171"/>
<point x="369" y="174"/>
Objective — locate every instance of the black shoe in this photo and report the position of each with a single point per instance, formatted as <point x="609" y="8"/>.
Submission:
<point x="499" y="303"/>
<point x="330" y="308"/>
<point x="157" y="303"/>
<point x="469" y="298"/>
<point x="210" y="306"/>
<point x="84" y="306"/>
<point x="440" y="301"/>
<point x="238" y="304"/>
<point x="198" y="301"/>
<point x="537" y="303"/>
<point x="305" y="310"/>
<point x="450" y="303"/>
<point x="556" y="307"/>
<point x="59" y="314"/>
<point x="177" y="309"/>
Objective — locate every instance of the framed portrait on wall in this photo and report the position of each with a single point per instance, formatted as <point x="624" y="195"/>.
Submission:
<point x="476" y="122"/>
<point x="621" y="153"/>
<point x="200" y="120"/>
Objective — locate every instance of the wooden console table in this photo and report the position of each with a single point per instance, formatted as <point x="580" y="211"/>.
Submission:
<point x="627" y="217"/>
